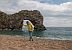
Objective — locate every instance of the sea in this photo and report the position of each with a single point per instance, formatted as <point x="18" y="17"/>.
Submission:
<point x="57" y="33"/>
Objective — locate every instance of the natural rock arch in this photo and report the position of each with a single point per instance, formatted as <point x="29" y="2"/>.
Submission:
<point x="15" y="21"/>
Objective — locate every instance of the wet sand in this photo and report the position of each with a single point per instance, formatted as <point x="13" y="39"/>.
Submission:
<point x="8" y="42"/>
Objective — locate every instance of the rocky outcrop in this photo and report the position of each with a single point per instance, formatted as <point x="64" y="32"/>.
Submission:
<point x="15" y="21"/>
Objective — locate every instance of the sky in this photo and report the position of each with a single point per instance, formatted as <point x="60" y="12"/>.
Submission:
<point x="56" y="13"/>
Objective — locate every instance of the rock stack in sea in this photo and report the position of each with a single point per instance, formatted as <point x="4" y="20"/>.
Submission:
<point x="15" y="21"/>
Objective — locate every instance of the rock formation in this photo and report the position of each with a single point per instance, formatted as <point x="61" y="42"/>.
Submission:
<point x="15" y="21"/>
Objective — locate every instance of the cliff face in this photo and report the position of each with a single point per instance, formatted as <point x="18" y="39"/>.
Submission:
<point x="15" y="21"/>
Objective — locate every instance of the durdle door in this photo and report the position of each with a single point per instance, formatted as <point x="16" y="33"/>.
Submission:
<point x="15" y="21"/>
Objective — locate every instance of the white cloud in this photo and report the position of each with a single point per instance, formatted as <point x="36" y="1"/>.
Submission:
<point x="12" y="6"/>
<point x="6" y="6"/>
<point x="44" y="6"/>
<point x="56" y="8"/>
<point x="58" y="22"/>
<point x="30" y="5"/>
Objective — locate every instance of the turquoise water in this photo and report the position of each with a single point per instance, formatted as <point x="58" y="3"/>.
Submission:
<point x="59" y="33"/>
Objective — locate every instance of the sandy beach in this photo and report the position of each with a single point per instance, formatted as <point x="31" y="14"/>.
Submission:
<point x="8" y="42"/>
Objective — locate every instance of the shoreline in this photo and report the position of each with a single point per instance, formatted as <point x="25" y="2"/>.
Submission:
<point x="9" y="42"/>
<point x="46" y="38"/>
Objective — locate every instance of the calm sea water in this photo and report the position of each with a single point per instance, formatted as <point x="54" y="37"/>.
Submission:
<point x="59" y="33"/>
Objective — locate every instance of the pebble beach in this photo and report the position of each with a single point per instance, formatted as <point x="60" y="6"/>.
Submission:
<point x="8" y="42"/>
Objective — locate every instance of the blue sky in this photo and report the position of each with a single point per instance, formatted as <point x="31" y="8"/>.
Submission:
<point x="54" y="1"/>
<point x="57" y="13"/>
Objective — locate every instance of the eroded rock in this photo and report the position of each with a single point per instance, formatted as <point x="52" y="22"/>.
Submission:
<point x="15" y="21"/>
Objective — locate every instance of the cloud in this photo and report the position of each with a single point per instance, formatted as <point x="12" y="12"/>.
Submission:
<point x="45" y="6"/>
<point x="57" y="8"/>
<point x="60" y="14"/>
<point x="54" y="1"/>
<point x="31" y="5"/>
<point x="58" y="22"/>
<point x="7" y="6"/>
